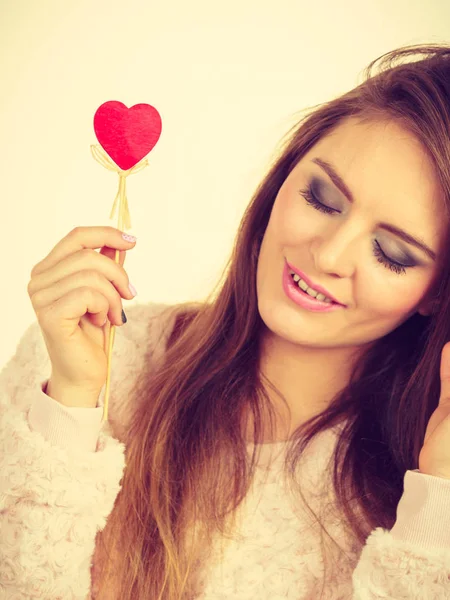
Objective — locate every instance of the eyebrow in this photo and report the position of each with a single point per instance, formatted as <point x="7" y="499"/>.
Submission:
<point x="342" y="186"/>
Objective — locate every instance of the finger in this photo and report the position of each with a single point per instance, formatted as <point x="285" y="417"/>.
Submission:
<point x="445" y="374"/>
<point x="79" y="238"/>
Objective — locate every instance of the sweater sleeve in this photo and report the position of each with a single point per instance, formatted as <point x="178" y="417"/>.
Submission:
<point x="61" y="468"/>
<point x="69" y="427"/>
<point x="412" y="560"/>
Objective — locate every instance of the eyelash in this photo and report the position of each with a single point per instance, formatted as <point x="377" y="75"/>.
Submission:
<point x="381" y="257"/>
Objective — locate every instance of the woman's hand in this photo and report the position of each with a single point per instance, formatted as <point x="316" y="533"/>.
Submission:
<point x="434" y="458"/>
<point x="73" y="290"/>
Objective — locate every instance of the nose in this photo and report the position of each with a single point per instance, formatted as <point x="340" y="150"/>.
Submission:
<point x="336" y="251"/>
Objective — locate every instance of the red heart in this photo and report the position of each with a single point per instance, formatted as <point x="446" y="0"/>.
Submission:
<point x="127" y="134"/>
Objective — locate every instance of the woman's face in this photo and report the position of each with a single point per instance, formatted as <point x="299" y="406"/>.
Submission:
<point x="393" y="184"/>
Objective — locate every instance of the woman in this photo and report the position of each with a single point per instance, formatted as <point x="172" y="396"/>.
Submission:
<point x="334" y="393"/>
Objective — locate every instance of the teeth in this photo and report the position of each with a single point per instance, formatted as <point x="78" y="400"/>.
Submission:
<point x="304" y="286"/>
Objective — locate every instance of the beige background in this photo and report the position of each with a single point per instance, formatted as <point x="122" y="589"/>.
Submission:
<point x="228" y="79"/>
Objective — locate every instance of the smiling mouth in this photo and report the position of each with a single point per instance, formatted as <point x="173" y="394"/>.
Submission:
<point x="316" y="295"/>
<point x="294" y="272"/>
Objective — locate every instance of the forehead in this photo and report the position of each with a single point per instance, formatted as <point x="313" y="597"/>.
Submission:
<point x="378" y="145"/>
<point x="388" y="171"/>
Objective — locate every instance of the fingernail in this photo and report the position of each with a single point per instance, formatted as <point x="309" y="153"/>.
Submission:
<point x="128" y="237"/>
<point x="124" y="317"/>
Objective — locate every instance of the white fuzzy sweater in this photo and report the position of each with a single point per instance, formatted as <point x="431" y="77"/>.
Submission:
<point x="61" y="470"/>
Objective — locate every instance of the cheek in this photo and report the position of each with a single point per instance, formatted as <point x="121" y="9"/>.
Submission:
<point x="387" y="299"/>
<point x="292" y="219"/>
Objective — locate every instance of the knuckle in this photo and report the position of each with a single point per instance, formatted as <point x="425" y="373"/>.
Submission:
<point x="35" y="270"/>
<point x="87" y="293"/>
<point x="36" y="298"/>
<point x="75" y="231"/>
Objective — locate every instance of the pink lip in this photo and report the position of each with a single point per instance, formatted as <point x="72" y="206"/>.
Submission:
<point x="311" y="284"/>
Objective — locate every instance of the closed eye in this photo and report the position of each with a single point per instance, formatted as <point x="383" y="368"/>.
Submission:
<point x="389" y="263"/>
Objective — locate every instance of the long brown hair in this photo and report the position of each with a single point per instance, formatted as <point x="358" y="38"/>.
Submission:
<point x="186" y="453"/>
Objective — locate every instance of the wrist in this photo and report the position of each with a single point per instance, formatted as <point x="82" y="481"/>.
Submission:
<point x="70" y="396"/>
